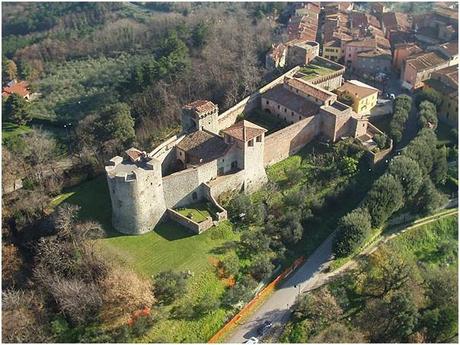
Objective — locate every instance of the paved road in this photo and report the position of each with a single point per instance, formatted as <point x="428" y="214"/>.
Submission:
<point x="277" y="307"/>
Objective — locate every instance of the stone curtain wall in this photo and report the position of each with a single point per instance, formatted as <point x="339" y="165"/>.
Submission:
<point x="226" y="183"/>
<point x="228" y="117"/>
<point x="289" y="140"/>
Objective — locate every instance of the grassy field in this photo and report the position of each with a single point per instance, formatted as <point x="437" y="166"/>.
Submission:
<point x="314" y="70"/>
<point x="197" y="212"/>
<point x="169" y="246"/>
<point x="10" y="130"/>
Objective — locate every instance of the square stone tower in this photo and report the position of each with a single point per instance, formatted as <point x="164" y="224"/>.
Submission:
<point x="200" y="115"/>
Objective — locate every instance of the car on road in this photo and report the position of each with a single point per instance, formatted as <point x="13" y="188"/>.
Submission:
<point x="252" y="340"/>
<point x="264" y="328"/>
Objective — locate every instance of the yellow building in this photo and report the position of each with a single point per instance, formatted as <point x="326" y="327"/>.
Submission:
<point x="363" y="96"/>
<point x="445" y="82"/>
<point x="332" y="50"/>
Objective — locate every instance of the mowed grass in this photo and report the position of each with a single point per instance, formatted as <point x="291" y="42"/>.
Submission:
<point x="168" y="247"/>
<point x="10" y="130"/>
<point x="197" y="212"/>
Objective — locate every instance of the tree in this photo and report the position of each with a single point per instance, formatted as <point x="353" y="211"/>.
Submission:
<point x="200" y="35"/>
<point x="254" y="241"/>
<point x="338" y="333"/>
<point x="428" y="117"/>
<point x="384" y="198"/>
<point x="9" y="69"/>
<point x="124" y="292"/>
<point x="384" y="272"/>
<point x="230" y="265"/>
<point x="349" y="165"/>
<point x="421" y="149"/>
<point x="240" y="292"/>
<point x="440" y="166"/>
<point x="390" y="320"/>
<point x="169" y="285"/>
<point x="261" y="267"/>
<point x="117" y="123"/>
<point x="239" y="205"/>
<point x="428" y="199"/>
<point x="205" y="305"/>
<point x="381" y="140"/>
<point x="319" y="307"/>
<point x="352" y="230"/>
<point x="440" y="324"/>
<point x="23" y="317"/>
<point x="408" y="173"/>
<point x="430" y="95"/>
<point x="17" y="109"/>
<point x="291" y="228"/>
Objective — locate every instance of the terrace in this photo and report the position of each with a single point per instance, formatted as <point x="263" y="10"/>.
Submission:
<point x="198" y="212"/>
<point x="317" y="68"/>
<point x="266" y="120"/>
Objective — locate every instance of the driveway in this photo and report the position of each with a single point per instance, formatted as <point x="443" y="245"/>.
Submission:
<point x="277" y="307"/>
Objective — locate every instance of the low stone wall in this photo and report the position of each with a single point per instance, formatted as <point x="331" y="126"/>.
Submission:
<point x="288" y="141"/>
<point x="193" y="226"/>
<point x="221" y="213"/>
<point x="228" y="117"/>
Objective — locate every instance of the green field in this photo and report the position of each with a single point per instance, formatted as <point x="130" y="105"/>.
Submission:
<point x="197" y="212"/>
<point x="314" y="70"/>
<point x="10" y="130"/>
<point x="169" y="246"/>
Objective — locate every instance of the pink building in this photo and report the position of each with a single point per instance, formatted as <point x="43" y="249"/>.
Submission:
<point x="354" y="47"/>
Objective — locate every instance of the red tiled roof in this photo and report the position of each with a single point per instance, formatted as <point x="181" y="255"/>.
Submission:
<point x="21" y="88"/>
<point x="309" y="89"/>
<point x="134" y="154"/>
<point x="201" y="106"/>
<point x="425" y="60"/>
<point x="244" y="130"/>
<point x="451" y="47"/>
<point x="367" y="43"/>
<point x="395" y="20"/>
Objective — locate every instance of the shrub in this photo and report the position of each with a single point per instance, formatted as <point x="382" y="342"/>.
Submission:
<point x="352" y="231"/>
<point x="261" y="267"/>
<point x="169" y="285"/>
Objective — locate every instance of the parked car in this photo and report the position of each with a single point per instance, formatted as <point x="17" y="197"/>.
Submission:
<point x="263" y="329"/>
<point x="252" y="340"/>
<point x="392" y="96"/>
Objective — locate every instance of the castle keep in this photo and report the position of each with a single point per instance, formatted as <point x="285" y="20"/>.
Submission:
<point x="216" y="153"/>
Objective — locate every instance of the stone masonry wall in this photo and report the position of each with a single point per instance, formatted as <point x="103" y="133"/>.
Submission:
<point x="290" y="140"/>
<point x="228" y="117"/>
<point x="196" y="228"/>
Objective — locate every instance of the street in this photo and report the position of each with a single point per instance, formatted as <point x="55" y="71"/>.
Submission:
<point x="277" y="308"/>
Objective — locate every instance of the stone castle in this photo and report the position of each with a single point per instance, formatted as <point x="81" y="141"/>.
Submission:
<point x="217" y="153"/>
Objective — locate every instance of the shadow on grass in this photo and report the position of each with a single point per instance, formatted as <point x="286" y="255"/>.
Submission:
<point x="172" y="231"/>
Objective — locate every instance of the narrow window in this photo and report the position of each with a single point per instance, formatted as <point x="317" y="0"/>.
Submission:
<point x="268" y="102"/>
<point x="259" y="139"/>
<point x="194" y="196"/>
<point x="251" y="142"/>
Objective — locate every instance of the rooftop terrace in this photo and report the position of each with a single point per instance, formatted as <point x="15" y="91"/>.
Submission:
<point x="318" y="67"/>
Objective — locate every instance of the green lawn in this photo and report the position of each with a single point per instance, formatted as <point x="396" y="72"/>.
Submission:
<point x="169" y="246"/>
<point x="10" y="130"/>
<point x="314" y="70"/>
<point x="197" y="212"/>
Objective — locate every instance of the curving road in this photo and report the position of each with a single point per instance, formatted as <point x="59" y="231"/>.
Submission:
<point x="277" y="308"/>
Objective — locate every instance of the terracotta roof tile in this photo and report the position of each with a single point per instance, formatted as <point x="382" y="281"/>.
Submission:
<point x="244" y="130"/>
<point x="425" y="60"/>
<point x="203" y="145"/>
<point x="201" y="106"/>
<point x="21" y="88"/>
<point x="357" y="90"/>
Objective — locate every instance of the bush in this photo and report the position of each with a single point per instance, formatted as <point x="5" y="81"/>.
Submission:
<point x="261" y="267"/>
<point x="352" y="231"/>
<point x="384" y="198"/>
<point x="408" y="173"/>
<point x="169" y="285"/>
<point x="240" y="292"/>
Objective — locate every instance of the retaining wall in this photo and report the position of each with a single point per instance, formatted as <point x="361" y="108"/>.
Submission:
<point x="195" y="227"/>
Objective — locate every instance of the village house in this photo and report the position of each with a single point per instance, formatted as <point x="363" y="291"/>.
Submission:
<point x="419" y="67"/>
<point x="363" y="96"/>
<point x="20" y="88"/>
<point x="438" y="26"/>
<point x="445" y="82"/>
<point x="402" y="51"/>
<point x="373" y="62"/>
<point x="332" y="50"/>
<point x="395" y="22"/>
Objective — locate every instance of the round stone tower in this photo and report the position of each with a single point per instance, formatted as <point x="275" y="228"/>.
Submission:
<point x="136" y="192"/>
